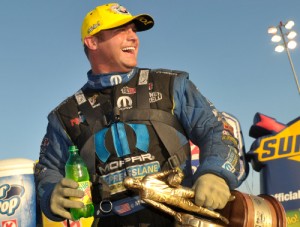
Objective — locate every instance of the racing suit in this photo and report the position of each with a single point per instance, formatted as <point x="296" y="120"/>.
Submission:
<point x="201" y="122"/>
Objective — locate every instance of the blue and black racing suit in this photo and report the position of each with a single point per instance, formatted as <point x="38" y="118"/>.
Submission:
<point x="135" y="124"/>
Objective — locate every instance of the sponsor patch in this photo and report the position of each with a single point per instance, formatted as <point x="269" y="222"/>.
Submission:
<point x="115" y="180"/>
<point x="232" y="157"/>
<point x="128" y="90"/>
<point x="93" y="101"/>
<point x="155" y="97"/>
<point x="228" y="166"/>
<point x="132" y="90"/>
<point x="228" y="127"/>
<point x="230" y="140"/>
<point x="80" y="98"/>
<point x="124" y="103"/>
<point x="75" y="121"/>
<point x="116" y="8"/>
<point x="115" y="80"/>
<point x="143" y="79"/>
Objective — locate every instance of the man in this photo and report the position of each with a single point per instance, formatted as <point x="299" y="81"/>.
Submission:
<point x="128" y="121"/>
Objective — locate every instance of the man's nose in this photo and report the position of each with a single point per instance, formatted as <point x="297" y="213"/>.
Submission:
<point x="132" y="33"/>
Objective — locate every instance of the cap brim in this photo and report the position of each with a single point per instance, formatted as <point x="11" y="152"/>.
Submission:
<point x="142" y="22"/>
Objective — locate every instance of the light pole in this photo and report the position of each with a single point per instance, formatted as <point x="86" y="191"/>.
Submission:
<point x="285" y="33"/>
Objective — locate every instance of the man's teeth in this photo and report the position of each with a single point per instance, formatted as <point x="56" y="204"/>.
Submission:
<point x="128" y="49"/>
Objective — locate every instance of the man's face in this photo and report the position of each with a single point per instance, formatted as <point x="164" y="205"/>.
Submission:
<point x="118" y="48"/>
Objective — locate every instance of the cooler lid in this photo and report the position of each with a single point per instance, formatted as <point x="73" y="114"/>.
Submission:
<point x="16" y="166"/>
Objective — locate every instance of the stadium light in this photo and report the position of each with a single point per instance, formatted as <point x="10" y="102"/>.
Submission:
<point x="283" y="32"/>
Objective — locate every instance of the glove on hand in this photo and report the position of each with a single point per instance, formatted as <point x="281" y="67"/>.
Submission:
<point x="60" y="201"/>
<point x="211" y="191"/>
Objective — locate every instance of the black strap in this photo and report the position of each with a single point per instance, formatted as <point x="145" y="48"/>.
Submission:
<point x="140" y="115"/>
<point x="87" y="152"/>
<point x="165" y="124"/>
<point x="168" y="135"/>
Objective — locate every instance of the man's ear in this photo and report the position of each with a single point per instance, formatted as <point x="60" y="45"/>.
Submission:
<point x="91" y="42"/>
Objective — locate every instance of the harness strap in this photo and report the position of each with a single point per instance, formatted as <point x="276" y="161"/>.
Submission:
<point x="164" y="123"/>
<point x="178" y="153"/>
<point x="87" y="153"/>
<point x="167" y="127"/>
<point x="153" y="115"/>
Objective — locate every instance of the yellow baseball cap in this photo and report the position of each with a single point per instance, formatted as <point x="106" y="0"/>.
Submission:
<point x="112" y="15"/>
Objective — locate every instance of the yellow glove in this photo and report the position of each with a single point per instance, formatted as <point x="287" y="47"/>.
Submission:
<point x="211" y="191"/>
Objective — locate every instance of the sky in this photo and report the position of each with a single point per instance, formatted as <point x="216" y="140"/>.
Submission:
<point x="222" y="44"/>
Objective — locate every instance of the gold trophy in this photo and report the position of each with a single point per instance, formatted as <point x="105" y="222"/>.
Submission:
<point x="163" y="191"/>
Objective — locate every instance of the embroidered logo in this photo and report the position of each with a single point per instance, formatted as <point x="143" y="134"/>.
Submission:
<point x="116" y="79"/>
<point x="128" y="90"/>
<point x="93" y="101"/>
<point x="93" y="27"/>
<point x="132" y="90"/>
<point x="75" y="121"/>
<point x="80" y="97"/>
<point x="154" y="97"/>
<point x="143" y="79"/>
<point x="116" y="8"/>
<point x="124" y="102"/>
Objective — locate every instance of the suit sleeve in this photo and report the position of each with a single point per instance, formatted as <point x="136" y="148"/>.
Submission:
<point x="207" y="129"/>
<point x="50" y="168"/>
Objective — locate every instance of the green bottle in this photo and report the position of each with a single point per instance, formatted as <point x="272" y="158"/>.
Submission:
<point x="76" y="170"/>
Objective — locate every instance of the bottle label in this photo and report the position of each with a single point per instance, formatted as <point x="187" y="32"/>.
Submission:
<point x="87" y="198"/>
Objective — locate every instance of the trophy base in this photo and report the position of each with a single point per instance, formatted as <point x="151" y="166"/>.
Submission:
<point x="244" y="211"/>
<point x="249" y="210"/>
<point x="195" y="221"/>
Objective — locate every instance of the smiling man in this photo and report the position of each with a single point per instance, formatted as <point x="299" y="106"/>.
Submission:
<point x="128" y="121"/>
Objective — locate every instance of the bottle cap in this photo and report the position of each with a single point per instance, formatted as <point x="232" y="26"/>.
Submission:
<point x="73" y="148"/>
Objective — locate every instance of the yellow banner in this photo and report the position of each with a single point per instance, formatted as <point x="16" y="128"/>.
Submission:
<point x="285" y="144"/>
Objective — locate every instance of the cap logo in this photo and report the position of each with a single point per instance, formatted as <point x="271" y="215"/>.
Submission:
<point x="93" y="27"/>
<point x="145" y="21"/>
<point x="119" y="9"/>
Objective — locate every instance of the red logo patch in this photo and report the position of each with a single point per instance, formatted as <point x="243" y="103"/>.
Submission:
<point x="10" y="223"/>
<point x="75" y="121"/>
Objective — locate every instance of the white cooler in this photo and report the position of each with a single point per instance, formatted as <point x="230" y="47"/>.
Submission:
<point x="17" y="193"/>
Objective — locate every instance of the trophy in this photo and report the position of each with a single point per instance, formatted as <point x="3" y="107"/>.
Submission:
<point x="163" y="191"/>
